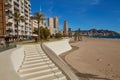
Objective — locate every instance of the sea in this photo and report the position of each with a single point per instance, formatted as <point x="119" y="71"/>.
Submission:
<point x="107" y="37"/>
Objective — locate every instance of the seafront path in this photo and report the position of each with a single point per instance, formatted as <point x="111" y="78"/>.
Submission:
<point x="36" y="62"/>
<point x="38" y="66"/>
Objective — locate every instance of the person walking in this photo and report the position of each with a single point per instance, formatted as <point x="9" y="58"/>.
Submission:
<point x="2" y="42"/>
<point x="7" y="41"/>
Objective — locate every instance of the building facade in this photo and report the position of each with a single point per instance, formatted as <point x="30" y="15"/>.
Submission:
<point x="56" y="25"/>
<point x="2" y="18"/>
<point x="65" y="32"/>
<point x="24" y="8"/>
<point x="53" y="25"/>
<point x="34" y="24"/>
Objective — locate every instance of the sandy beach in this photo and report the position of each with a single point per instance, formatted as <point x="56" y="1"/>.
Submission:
<point x="95" y="59"/>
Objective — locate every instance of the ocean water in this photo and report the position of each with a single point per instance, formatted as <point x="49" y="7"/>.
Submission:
<point x="108" y="37"/>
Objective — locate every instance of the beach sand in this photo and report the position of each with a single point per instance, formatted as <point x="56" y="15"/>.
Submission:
<point x="95" y="59"/>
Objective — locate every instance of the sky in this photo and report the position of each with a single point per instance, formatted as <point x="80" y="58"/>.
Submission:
<point x="83" y="14"/>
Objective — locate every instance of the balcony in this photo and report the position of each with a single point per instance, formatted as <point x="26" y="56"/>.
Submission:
<point x="10" y="21"/>
<point x="8" y="9"/>
<point x="27" y="21"/>
<point x="8" y="3"/>
<point x="16" y="7"/>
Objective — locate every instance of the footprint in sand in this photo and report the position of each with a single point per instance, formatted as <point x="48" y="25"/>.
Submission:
<point x="109" y="64"/>
<point x="99" y="59"/>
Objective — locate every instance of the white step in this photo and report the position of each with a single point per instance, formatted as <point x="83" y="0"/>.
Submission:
<point x="60" y="77"/>
<point x="33" y="61"/>
<point x="31" y="52"/>
<point x="46" y="59"/>
<point x="49" y="61"/>
<point x="48" y="78"/>
<point x="41" y="62"/>
<point x="42" y="76"/>
<point x="33" y="55"/>
<point x="43" y="54"/>
<point x="37" y="64"/>
<point x="37" y="67"/>
<point x="38" y="72"/>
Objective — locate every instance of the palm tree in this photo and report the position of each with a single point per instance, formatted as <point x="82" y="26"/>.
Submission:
<point x="39" y="16"/>
<point x="79" y="35"/>
<point x="17" y="17"/>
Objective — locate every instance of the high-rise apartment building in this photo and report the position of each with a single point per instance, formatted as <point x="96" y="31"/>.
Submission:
<point x="53" y="25"/>
<point x="22" y="7"/>
<point x="55" y="22"/>
<point x="65" y="32"/>
<point x="2" y="18"/>
<point x="34" y="24"/>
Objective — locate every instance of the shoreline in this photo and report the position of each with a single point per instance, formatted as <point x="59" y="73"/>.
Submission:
<point x="88" y="42"/>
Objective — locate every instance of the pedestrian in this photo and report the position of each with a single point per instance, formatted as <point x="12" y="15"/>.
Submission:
<point x="36" y="39"/>
<point x="7" y="41"/>
<point x="2" y="42"/>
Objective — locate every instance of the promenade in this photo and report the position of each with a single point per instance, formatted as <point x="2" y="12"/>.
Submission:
<point x="36" y="62"/>
<point x="38" y="66"/>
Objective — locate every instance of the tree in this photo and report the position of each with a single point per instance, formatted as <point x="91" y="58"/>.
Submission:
<point x="75" y="36"/>
<point x="44" y="32"/>
<point x="35" y="31"/>
<point x="39" y="16"/>
<point x="58" y="35"/>
<point x="79" y="35"/>
<point x="17" y="17"/>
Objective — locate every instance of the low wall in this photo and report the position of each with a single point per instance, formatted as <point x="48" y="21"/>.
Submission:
<point x="53" y="49"/>
<point x="17" y="57"/>
<point x="59" y="46"/>
<point x="10" y="62"/>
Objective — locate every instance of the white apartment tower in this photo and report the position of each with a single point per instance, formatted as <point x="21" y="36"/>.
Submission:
<point x="53" y="25"/>
<point x="56" y="24"/>
<point x="24" y="8"/>
<point x="34" y="24"/>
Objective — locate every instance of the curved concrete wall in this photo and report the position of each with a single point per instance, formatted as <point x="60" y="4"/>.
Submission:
<point x="10" y="62"/>
<point x="59" y="46"/>
<point x="17" y="57"/>
<point x="53" y="49"/>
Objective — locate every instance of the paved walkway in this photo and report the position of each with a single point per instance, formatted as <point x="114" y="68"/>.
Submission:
<point x="38" y="66"/>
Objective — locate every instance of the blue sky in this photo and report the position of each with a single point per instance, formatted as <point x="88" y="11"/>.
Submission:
<point x="83" y="14"/>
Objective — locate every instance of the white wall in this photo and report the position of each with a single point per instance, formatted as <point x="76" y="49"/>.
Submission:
<point x="59" y="46"/>
<point x="17" y="57"/>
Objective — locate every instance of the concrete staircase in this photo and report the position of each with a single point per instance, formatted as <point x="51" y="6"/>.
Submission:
<point x="38" y="66"/>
